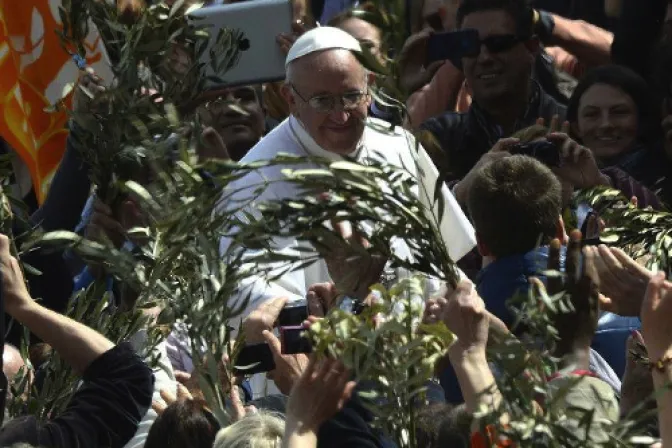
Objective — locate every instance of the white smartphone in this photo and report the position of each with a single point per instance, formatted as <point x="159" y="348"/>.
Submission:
<point x="260" y="21"/>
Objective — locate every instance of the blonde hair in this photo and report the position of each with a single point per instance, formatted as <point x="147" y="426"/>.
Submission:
<point x="259" y="430"/>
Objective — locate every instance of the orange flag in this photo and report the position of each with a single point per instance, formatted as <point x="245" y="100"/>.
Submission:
<point x="35" y="73"/>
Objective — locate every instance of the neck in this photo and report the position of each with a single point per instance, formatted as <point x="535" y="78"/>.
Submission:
<point x="577" y="357"/>
<point x="506" y="110"/>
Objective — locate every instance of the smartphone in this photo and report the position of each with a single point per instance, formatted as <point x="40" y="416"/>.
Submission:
<point x="452" y="46"/>
<point x="293" y="340"/>
<point x="293" y="315"/>
<point x="253" y="359"/>
<point x="543" y="150"/>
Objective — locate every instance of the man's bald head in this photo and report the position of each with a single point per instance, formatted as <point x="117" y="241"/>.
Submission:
<point x="12" y="362"/>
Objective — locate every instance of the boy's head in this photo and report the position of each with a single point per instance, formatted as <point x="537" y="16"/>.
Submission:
<point x="515" y="205"/>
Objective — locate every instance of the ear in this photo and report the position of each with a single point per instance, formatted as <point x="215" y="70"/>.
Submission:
<point x="370" y="78"/>
<point x="560" y="232"/>
<point x="288" y="96"/>
<point x="482" y="248"/>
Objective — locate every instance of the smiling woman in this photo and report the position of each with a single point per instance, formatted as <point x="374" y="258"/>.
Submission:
<point x="612" y="113"/>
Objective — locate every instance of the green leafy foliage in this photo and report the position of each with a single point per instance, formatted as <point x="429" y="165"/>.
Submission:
<point x="642" y="233"/>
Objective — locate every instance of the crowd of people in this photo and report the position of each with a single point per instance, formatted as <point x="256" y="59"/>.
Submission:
<point x="558" y="97"/>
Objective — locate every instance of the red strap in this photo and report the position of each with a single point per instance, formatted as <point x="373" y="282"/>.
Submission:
<point x="577" y="372"/>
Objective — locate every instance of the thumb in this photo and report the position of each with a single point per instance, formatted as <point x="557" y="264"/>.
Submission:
<point x="434" y="67"/>
<point x="273" y="342"/>
<point x="213" y="146"/>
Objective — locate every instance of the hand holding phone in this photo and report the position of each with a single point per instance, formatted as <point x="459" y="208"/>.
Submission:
<point x="544" y="151"/>
<point x="452" y="46"/>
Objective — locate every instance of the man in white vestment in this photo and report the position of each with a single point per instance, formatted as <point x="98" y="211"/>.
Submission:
<point x="327" y="91"/>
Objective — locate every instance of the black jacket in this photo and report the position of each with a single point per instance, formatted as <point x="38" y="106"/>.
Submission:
<point x="103" y="413"/>
<point x="465" y="137"/>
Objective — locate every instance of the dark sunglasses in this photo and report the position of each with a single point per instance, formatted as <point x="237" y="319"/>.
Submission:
<point x="495" y="44"/>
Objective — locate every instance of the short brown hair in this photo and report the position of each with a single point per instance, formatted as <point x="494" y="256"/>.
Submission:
<point x="514" y="204"/>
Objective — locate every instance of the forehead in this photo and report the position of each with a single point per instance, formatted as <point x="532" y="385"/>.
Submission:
<point x="491" y="22"/>
<point x="332" y="71"/>
<point x="604" y="95"/>
<point x="360" y="29"/>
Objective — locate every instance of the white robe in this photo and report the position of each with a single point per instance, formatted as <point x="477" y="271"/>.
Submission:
<point x="396" y="146"/>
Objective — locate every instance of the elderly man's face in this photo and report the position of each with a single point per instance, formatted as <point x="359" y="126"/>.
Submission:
<point x="327" y="92"/>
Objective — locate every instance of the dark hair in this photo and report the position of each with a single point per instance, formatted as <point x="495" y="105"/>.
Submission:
<point x="521" y="12"/>
<point x="443" y="425"/>
<point x="185" y="423"/>
<point x="514" y="204"/>
<point x="629" y="82"/>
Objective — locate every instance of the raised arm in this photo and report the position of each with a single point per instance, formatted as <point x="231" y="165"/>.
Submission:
<point x="117" y="386"/>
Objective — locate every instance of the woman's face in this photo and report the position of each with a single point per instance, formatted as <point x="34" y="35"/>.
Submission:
<point x="607" y="121"/>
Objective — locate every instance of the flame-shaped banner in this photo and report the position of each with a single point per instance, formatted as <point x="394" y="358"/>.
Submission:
<point x="36" y="72"/>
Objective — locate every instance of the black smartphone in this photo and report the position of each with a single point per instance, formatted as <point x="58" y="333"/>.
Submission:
<point x="253" y="359"/>
<point x="291" y="316"/>
<point x="542" y="150"/>
<point x="452" y="46"/>
<point x="293" y="341"/>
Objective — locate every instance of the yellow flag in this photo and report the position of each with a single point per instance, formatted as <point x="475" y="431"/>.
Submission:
<point x="36" y="72"/>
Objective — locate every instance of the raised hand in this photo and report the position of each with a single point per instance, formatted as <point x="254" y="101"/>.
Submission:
<point x="465" y="315"/>
<point x="321" y="298"/>
<point x="655" y="313"/>
<point x="321" y="391"/>
<point x="288" y="368"/>
<point x="352" y="268"/>
<point x="576" y="328"/>
<point x="622" y="280"/>
<point x="261" y="319"/>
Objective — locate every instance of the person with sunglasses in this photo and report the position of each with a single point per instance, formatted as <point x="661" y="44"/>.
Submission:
<point x="498" y="72"/>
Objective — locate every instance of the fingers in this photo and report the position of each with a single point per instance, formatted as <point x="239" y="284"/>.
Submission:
<point x="653" y="291"/>
<point x="554" y="126"/>
<point x="554" y="281"/>
<point x="182" y="377"/>
<point x="434" y="310"/>
<point x="540" y="121"/>
<point x="272" y="308"/>
<point x="565" y="128"/>
<point x="273" y="342"/>
<point x="573" y="267"/>
<point x="158" y="407"/>
<point x="212" y="146"/>
<point x="4" y="247"/>
<point x="434" y="67"/>
<point x="183" y="393"/>
<point x="168" y="396"/>
<point x="315" y="305"/>
<point x="505" y="144"/>
<point x="628" y="263"/>
<point x="237" y="404"/>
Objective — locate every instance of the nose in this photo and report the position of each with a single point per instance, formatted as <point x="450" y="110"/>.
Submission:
<point x="605" y="120"/>
<point x="485" y="54"/>
<point x="339" y="116"/>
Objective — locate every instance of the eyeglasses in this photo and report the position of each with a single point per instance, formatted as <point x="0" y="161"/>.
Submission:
<point x="495" y="44"/>
<point x="327" y="103"/>
<point x="226" y="99"/>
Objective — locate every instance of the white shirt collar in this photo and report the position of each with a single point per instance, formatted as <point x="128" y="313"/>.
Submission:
<point x="313" y="149"/>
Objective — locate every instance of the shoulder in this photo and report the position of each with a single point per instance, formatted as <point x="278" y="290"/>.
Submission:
<point x="277" y="141"/>
<point x="447" y="122"/>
